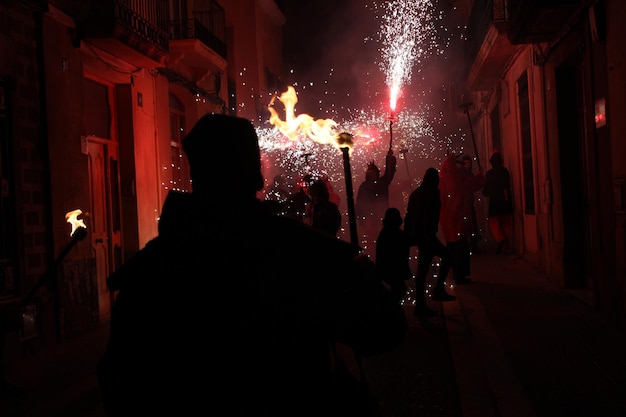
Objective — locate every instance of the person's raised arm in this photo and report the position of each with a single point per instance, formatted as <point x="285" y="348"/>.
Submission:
<point x="391" y="163"/>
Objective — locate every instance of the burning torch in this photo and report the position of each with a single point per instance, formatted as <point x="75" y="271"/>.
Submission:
<point x="78" y="233"/>
<point x="344" y="140"/>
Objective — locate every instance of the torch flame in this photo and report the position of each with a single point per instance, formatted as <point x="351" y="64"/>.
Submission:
<point x="345" y="140"/>
<point x="72" y="218"/>
<point x="319" y="130"/>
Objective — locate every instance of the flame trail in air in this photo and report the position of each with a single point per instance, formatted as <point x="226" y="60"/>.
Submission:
<point x="291" y="137"/>
<point x="407" y="33"/>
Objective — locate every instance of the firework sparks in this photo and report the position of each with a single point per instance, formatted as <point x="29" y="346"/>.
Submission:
<point x="409" y="36"/>
<point x="407" y="33"/>
<point x="284" y="145"/>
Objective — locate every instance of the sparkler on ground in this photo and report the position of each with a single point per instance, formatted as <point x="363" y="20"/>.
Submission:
<point x="78" y="233"/>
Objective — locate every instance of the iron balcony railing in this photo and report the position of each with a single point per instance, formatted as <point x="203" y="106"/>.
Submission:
<point x="193" y="29"/>
<point x="145" y="18"/>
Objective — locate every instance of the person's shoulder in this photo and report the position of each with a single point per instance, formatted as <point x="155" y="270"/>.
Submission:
<point x="138" y="265"/>
<point x="299" y="235"/>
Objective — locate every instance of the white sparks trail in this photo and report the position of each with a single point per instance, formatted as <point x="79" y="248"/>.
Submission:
<point x="407" y="33"/>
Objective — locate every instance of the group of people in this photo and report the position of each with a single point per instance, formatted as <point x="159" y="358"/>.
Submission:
<point x="443" y="202"/>
<point x="237" y="299"/>
<point x="314" y="202"/>
<point x="235" y="307"/>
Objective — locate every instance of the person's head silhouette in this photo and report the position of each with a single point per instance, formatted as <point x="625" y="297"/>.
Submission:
<point x="431" y="178"/>
<point x="224" y="156"/>
<point x="372" y="173"/>
<point x="392" y="218"/>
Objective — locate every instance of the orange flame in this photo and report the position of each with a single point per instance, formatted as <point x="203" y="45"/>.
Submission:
<point x="72" y="218"/>
<point x="322" y="131"/>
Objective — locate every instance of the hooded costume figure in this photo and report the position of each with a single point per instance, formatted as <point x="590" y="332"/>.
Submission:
<point x="392" y="254"/>
<point x="457" y="189"/>
<point x="233" y="305"/>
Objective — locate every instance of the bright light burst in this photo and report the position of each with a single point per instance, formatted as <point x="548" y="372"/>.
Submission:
<point x="408" y="34"/>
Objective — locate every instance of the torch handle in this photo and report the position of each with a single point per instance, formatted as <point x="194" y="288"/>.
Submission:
<point x="79" y="234"/>
<point x="354" y="238"/>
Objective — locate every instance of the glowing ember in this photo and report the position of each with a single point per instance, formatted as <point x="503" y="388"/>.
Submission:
<point x="72" y="218"/>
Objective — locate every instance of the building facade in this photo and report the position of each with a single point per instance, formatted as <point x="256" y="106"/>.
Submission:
<point x="95" y="97"/>
<point x="546" y="79"/>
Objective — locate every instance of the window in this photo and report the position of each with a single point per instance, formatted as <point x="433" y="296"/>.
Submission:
<point x="180" y="179"/>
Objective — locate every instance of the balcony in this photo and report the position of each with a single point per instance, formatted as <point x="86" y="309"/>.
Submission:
<point x="488" y="49"/>
<point x="196" y="42"/>
<point x="534" y="21"/>
<point x="133" y="30"/>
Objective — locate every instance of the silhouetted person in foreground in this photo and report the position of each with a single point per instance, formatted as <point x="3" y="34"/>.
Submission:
<point x="392" y="254"/>
<point x="500" y="213"/>
<point x="234" y="308"/>
<point x="372" y="200"/>
<point x="421" y="224"/>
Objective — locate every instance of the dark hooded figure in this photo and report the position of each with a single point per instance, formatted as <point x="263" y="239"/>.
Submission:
<point x="392" y="254"/>
<point x="421" y="224"/>
<point x="457" y="188"/>
<point x="498" y="190"/>
<point x="322" y="213"/>
<point x="233" y="307"/>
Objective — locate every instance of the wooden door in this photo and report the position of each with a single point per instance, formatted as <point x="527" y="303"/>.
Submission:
<point x="105" y="240"/>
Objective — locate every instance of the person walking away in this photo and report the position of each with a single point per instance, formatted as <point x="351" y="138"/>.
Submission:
<point x="322" y="213"/>
<point x="500" y="209"/>
<point x="392" y="254"/>
<point x="234" y="307"/>
<point x="456" y="213"/>
<point x="421" y="224"/>
<point x="372" y="200"/>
